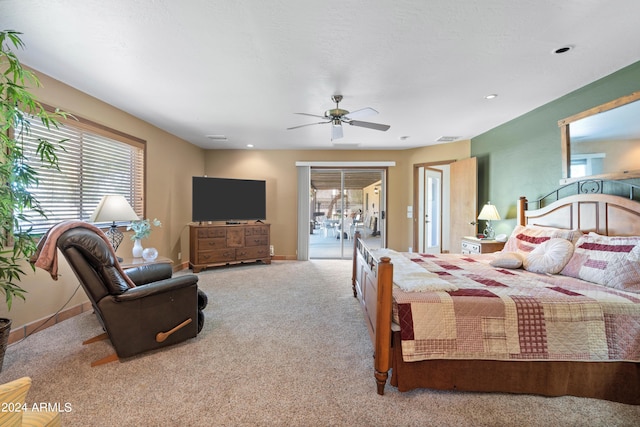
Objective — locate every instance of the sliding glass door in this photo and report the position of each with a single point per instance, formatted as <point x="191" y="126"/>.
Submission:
<point x="344" y="202"/>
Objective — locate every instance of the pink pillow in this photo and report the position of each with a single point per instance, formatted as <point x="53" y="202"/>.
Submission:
<point x="607" y="260"/>
<point x="524" y="239"/>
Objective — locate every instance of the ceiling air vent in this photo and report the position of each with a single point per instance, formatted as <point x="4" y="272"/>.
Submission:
<point x="217" y="137"/>
<point x="447" y="138"/>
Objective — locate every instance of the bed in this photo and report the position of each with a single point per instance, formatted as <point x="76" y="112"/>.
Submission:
<point x="527" y="339"/>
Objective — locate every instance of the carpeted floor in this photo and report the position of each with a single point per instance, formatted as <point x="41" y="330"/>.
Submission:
<point x="283" y="344"/>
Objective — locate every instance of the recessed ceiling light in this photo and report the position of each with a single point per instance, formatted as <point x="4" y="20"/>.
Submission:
<point x="217" y="137"/>
<point x="491" y="96"/>
<point x="249" y="145"/>
<point x="563" y="49"/>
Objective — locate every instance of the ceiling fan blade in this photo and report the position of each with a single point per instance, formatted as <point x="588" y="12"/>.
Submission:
<point x="336" y="132"/>
<point x="359" y="114"/>
<point x="369" y="125"/>
<point x="308" y="124"/>
<point x="311" y="115"/>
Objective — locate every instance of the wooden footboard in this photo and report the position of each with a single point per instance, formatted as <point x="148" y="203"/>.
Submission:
<point x="372" y="282"/>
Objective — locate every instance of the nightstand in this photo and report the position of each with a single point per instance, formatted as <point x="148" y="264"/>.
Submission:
<point x="473" y="245"/>
<point x="137" y="262"/>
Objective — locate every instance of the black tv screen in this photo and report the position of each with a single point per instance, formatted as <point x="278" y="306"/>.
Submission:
<point x="224" y="199"/>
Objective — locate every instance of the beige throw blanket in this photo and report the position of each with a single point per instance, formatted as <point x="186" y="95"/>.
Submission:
<point x="46" y="255"/>
<point x="410" y="277"/>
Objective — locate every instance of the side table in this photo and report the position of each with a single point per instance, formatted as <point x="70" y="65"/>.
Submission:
<point x="137" y="262"/>
<point x="473" y="245"/>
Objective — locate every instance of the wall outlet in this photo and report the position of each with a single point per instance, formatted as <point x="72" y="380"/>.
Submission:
<point x="180" y="256"/>
<point x="271" y="250"/>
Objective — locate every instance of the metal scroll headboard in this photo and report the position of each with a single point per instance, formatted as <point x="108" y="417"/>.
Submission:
<point x="589" y="186"/>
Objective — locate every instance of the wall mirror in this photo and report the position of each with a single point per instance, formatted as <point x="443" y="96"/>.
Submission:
<point x="602" y="142"/>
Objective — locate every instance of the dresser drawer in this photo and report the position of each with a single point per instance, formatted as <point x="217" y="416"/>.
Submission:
<point x="211" y="232"/>
<point x="252" y="252"/>
<point x="220" y="255"/>
<point x="470" y="247"/>
<point x="208" y="244"/>
<point x="256" y="240"/>
<point x="256" y="230"/>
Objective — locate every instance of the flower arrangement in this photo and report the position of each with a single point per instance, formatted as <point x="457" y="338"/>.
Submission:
<point x="142" y="228"/>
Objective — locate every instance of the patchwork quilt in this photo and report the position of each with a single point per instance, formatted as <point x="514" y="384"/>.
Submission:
<point x="511" y="314"/>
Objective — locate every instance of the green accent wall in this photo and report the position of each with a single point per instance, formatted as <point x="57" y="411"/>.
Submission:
<point x="522" y="157"/>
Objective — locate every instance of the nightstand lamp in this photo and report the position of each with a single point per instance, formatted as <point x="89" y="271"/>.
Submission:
<point x="114" y="208"/>
<point x="489" y="213"/>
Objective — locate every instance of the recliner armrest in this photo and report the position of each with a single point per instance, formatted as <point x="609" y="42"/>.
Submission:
<point x="158" y="287"/>
<point x="149" y="273"/>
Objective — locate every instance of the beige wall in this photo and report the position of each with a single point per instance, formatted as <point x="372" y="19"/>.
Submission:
<point x="171" y="162"/>
<point x="279" y="170"/>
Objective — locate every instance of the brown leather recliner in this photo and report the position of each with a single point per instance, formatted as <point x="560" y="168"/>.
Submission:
<point x="159" y="311"/>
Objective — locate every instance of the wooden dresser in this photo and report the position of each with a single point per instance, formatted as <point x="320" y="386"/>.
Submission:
<point x="213" y="245"/>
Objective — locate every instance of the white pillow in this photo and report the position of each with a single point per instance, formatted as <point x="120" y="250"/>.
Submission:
<point x="507" y="260"/>
<point x="549" y="257"/>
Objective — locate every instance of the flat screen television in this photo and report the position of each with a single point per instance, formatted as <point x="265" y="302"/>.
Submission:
<point x="230" y="200"/>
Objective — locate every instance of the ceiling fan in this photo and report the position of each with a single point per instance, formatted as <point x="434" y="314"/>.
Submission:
<point x="338" y="116"/>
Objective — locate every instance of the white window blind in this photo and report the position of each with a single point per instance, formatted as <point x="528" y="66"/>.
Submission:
<point x="91" y="165"/>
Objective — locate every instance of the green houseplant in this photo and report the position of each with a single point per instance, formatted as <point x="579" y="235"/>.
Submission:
<point x="18" y="107"/>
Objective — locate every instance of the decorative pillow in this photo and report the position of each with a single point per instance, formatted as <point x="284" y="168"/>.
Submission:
<point x="524" y="239"/>
<point x="549" y="257"/>
<point x="507" y="260"/>
<point x="607" y="260"/>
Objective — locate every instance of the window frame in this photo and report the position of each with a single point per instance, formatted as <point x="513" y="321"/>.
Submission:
<point x="83" y="125"/>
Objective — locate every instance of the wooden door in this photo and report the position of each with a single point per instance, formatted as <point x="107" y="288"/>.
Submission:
<point x="464" y="203"/>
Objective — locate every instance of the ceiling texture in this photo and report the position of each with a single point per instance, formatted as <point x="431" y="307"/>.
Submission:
<point x="241" y="69"/>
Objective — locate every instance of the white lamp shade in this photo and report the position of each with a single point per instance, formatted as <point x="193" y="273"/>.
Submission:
<point x="489" y="212"/>
<point x="113" y="207"/>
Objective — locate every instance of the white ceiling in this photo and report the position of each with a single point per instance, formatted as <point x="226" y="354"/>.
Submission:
<point x="241" y="68"/>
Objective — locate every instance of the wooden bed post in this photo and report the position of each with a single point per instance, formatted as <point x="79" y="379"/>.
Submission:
<point x="522" y="207"/>
<point x="382" y="362"/>
<point x="354" y="271"/>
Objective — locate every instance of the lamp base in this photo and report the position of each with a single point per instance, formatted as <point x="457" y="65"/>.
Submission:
<point x="114" y="236"/>
<point x="488" y="232"/>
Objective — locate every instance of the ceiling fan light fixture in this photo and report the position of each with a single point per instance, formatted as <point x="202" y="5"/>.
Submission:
<point x="337" y="116"/>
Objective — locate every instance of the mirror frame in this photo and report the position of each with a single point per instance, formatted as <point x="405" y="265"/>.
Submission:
<point x="566" y="141"/>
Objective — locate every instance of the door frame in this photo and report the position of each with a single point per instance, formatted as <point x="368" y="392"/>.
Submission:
<point x="421" y="211"/>
<point x="304" y="183"/>
<point x="444" y="242"/>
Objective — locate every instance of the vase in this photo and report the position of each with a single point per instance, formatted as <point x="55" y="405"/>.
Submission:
<point x="137" y="248"/>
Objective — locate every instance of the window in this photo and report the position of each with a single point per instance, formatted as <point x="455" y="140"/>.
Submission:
<point x="586" y="164"/>
<point x="95" y="161"/>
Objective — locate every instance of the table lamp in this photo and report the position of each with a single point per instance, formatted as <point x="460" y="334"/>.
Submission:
<point x="113" y="208"/>
<point x="489" y="213"/>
